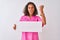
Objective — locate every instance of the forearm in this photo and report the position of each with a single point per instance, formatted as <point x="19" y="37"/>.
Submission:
<point x="43" y="18"/>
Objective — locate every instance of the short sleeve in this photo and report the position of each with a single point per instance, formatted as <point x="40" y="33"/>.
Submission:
<point x="22" y="18"/>
<point x="39" y="18"/>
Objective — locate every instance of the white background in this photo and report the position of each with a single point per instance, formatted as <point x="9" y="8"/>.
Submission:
<point x="11" y="10"/>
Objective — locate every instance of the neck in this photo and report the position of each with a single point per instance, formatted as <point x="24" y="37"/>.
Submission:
<point x="30" y="16"/>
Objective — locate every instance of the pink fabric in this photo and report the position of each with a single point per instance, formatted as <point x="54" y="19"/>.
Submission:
<point x="30" y="35"/>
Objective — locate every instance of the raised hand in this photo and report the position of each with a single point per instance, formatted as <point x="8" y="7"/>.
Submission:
<point x="42" y="15"/>
<point x="41" y="8"/>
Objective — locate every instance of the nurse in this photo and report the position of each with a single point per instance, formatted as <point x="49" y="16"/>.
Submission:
<point x="30" y="14"/>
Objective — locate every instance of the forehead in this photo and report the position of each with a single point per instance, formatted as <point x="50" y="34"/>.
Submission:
<point x="30" y="5"/>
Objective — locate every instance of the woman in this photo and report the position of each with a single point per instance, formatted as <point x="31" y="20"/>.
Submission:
<point x="30" y="13"/>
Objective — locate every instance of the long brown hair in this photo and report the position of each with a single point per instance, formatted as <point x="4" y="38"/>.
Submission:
<point x="26" y="13"/>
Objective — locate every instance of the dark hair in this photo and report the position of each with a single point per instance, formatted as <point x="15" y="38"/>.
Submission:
<point x="26" y="9"/>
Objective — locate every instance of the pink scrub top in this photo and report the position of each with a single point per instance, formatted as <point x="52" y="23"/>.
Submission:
<point x="30" y="35"/>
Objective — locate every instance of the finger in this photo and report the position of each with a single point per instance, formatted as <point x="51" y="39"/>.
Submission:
<point x="42" y="6"/>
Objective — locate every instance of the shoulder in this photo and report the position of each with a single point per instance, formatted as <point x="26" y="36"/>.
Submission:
<point x="23" y="16"/>
<point x="38" y="18"/>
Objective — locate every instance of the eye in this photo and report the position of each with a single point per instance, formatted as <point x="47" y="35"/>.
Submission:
<point x="29" y="7"/>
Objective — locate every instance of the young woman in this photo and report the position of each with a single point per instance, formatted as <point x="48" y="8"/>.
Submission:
<point x="30" y="14"/>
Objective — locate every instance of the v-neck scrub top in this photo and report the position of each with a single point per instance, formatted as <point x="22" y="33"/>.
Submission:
<point x="30" y="35"/>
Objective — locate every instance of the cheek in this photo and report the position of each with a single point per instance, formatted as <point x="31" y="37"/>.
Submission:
<point x="33" y="9"/>
<point x="28" y="9"/>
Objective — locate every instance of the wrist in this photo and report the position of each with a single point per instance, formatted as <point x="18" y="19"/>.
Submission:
<point x="42" y="14"/>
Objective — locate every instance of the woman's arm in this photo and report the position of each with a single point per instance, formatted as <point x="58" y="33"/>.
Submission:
<point x="42" y="15"/>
